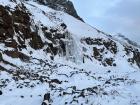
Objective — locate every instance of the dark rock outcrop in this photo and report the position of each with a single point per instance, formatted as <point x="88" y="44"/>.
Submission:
<point x="0" y="92"/>
<point x="135" y="59"/>
<point x="46" y="99"/>
<point x="108" y="46"/>
<point x="16" y="54"/>
<point x="61" y="5"/>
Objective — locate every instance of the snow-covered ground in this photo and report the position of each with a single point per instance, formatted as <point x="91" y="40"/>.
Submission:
<point x="69" y="83"/>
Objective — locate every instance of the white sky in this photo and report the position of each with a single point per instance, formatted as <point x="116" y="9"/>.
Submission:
<point x="112" y="16"/>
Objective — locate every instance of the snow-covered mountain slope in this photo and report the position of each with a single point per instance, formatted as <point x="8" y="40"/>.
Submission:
<point x="50" y="57"/>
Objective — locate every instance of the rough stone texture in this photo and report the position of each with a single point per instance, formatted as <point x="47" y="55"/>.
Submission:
<point x="16" y="54"/>
<point x="36" y="41"/>
<point x="136" y="55"/>
<point x="62" y="5"/>
<point x="98" y="53"/>
<point x="18" y="24"/>
<point x="6" y="30"/>
<point x="0" y="92"/>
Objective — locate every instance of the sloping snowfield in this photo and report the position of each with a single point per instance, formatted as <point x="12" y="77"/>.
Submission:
<point x="67" y="82"/>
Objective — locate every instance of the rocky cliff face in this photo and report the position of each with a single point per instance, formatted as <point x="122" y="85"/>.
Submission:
<point x="61" y="5"/>
<point x="50" y="57"/>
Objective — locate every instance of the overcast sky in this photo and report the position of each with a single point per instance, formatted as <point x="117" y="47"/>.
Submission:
<point x="112" y="16"/>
